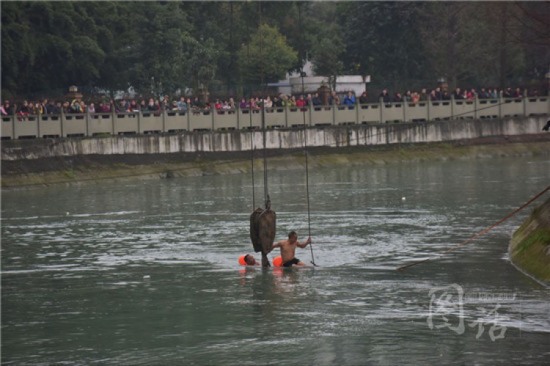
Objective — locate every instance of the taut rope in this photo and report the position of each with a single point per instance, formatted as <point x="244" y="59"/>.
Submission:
<point x="307" y="187"/>
<point x="482" y="232"/>
<point x="266" y="192"/>
<point x="252" y="162"/>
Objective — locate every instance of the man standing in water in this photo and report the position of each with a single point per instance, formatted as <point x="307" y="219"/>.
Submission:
<point x="288" y="249"/>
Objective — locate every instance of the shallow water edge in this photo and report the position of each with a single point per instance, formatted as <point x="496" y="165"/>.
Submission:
<point x="93" y="168"/>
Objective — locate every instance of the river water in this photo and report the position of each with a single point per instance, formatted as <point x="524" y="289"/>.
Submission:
<point x="146" y="273"/>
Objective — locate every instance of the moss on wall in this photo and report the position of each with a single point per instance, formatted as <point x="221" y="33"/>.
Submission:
<point x="530" y="245"/>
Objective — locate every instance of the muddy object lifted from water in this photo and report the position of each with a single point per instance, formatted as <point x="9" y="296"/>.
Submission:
<point x="262" y="231"/>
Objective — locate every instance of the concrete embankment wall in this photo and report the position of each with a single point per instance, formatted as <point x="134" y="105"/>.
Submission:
<point x="530" y="245"/>
<point x="244" y="140"/>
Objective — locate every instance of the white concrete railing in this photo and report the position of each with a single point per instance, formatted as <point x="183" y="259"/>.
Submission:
<point x="140" y="123"/>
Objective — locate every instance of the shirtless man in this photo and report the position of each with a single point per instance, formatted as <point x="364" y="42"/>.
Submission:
<point x="288" y="249"/>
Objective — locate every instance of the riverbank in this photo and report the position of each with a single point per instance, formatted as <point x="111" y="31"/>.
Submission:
<point x="26" y="173"/>
<point x="530" y="245"/>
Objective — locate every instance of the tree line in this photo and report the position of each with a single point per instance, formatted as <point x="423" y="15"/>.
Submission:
<point x="238" y="47"/>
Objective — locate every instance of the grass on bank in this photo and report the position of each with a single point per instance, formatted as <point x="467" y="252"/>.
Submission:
<point x="530" y="245"/>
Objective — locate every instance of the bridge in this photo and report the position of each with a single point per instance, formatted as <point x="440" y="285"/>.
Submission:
<point x="67" y="125"/>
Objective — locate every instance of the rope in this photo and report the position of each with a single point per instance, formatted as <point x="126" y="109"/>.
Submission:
<point x="307" y="187"/>
<point x="482" y="232"/>
<point x="266" y="195"/>
<point x="252" y="163"/>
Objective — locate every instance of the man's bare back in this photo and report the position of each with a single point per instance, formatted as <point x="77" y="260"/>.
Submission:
<point x="288" y="249"/>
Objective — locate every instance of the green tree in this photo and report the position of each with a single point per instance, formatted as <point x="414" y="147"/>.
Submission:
<point x="469" y="43"/>
<point x="327" y="46"/>
<point x="266" y="57"/>
<point x="48" y="45"/>
<point x="212" y="42"/>
<point x="201" y="61"/>
<point x="382" y="40"/>
<point x="534" y="37"/>
<point x="17" y="53"/>
<point x="161" y="48"/>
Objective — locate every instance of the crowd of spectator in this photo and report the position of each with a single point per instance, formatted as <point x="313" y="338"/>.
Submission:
<point x="439" y="94"/>
<point x="196" y="105"/>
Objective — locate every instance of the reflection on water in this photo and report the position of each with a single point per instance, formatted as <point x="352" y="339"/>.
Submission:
<point x="146" y="272"/>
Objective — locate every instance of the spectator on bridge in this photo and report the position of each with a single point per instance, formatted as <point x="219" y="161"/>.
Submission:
<point x="244" y="104"/>
<point x="151" y="105"/>
<point x="165" y="103"/>
<point x="134" y="106"/>
<point x="174" y="106"/>
<point x="75" y="107"/>
<point x="218" y="105"/>
<point x="226" y="107"/>
<point x="349" y="99"/>
<point x="24" y="110"/>
<point x="37" y="108"/>
<point x="423" y="95"/>
<point x="384" y="96"/>
<point x="57" y="108"/>
<point x="517" y="93"/>
<point x="123" y="106"/>
<point x="256" y="104"/>
<point x="143" y="105"/>
<point x="231" y="105"/>
<point x="397" y="98"/>
<point x="309" y="99"/>
<point x="439" y="93"/>
<point x="315" y="100"/>
<point x="197" y="104"/>
<point x="44" y="106"/>
<point x="268" y="103"/>
<point x="104" y="107"/>
<point x="6" y="109"/>
<point x="301" y="102"/>
<point x="334" y="99"/>
<point x="507" y="93"/>
<point x="482" y="94"/>
<point x="363" y="98"/>
<point x="159" y="108"/>
<point x="281" y="101"/>
<point x="50" y="107"/>
<point x="91" y="108"/>
<point x="457" y="94"/>
<point x="182" y="105"/>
